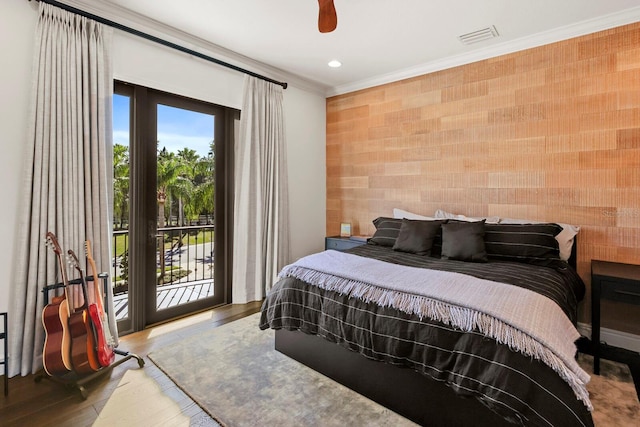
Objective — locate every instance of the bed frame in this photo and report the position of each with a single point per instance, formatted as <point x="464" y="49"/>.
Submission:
<point x="403" y="390"/>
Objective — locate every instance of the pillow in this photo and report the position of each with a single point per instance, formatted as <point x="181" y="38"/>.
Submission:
<point x="436" y="249"/>
<point x="444" y="214"/>
<point x="417" y="236"/>
<point x="565" y="239"/>
<point x="464" y="241"/>
<point x="530" y="243"/>
<point x="399" y="213"/>
<point x="387" y="230"/>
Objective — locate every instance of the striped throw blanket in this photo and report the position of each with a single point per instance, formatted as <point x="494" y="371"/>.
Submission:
<point x="524" y="320"/>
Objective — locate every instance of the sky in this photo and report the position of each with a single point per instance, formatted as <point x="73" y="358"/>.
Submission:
<point x="177" y="128"/>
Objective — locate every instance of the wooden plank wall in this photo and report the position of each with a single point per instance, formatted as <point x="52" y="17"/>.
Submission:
<point x="548" y="134"/>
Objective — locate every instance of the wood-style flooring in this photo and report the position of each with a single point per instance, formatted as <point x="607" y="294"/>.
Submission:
<point x="129" y="395"/>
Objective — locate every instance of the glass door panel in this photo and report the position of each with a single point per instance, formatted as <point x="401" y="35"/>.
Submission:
<point x="186" y="132"/>
<point x="185" y="181"/>
<point x="120" y="242"/>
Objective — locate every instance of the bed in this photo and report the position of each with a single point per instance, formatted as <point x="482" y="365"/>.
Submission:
<point x="440" y="321"/>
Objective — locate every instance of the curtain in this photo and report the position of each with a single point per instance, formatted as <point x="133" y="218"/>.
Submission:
<point x="68" y="172"/>
<point x="261" y="204"/>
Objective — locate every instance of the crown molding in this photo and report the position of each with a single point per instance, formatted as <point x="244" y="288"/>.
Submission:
<point x="601" y="23"/>
<point x="139" y="22"/>
<point x="142" y="23"/>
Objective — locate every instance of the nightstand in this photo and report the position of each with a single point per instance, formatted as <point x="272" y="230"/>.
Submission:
<point x="612" y="281"/>
<point x="341" y="243"/>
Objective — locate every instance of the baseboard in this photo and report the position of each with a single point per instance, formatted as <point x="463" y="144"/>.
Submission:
<point x="613" y="337"/>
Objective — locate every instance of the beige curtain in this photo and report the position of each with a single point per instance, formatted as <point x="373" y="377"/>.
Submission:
<point x="68" y="169"/>
<point x="261" y="206"/>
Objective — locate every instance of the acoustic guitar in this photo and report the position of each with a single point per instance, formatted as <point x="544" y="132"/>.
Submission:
<point x="105" y="342"/>
<point x="83" y="336"/>
<point x="56" y="354"/>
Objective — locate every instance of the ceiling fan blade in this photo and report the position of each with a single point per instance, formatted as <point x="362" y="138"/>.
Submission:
<point x="327" y="19"/>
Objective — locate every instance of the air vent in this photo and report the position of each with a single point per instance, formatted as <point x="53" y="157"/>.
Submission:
<point x="480" y="35"/>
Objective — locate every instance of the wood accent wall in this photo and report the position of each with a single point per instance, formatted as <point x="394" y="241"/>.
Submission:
<point x="549" y="134"/>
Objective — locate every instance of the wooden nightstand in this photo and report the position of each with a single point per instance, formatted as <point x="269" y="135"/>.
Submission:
<point x="612" y="281"/>
<point x="341" y="243"/>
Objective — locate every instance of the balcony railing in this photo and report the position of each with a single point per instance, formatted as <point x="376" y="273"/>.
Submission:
<point x="188" y="255"/>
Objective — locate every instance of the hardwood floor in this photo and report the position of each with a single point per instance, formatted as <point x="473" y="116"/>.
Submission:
<point x="129" y="395"/>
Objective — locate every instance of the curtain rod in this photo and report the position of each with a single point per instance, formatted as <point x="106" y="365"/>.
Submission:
<point x="159" y="40"/>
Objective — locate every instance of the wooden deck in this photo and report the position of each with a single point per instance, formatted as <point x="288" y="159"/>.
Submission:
<point x="168" y="296"/>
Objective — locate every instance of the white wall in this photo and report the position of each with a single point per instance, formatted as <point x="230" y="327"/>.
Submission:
<point x="17" y="27"/>
<point x="142" y="62"/>
<point x="306" y="127"/>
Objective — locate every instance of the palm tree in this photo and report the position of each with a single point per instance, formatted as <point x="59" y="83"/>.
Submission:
<point x="204" y="194"/>
<point x="190" y="159"/>
<point x="120" y="182"/>
<point x="171" y="181"/>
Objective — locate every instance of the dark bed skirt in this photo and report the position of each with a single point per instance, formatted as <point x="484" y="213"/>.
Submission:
<point x="406" y="392"/>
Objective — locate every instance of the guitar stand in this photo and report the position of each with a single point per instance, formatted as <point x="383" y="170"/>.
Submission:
<point x="71" y="379"/>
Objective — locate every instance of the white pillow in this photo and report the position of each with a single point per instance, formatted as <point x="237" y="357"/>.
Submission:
<point x="444" y="214"/>
<point x="565" y="238"/>
<point x="399" y="214"/>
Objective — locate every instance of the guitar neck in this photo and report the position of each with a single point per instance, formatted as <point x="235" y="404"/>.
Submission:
<point x="73" y="259"/>
<point x="52" y="241"/>
<point x="94" y="271"/>
<point x="83" y="285"/>
<point x="63" y="273"/>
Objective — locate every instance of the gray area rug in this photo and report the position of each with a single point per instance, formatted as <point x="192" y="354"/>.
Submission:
<point x="613" y="394"/>
<point x="235" y="375"/>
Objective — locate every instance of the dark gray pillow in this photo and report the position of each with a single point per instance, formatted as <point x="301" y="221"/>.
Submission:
<point x="387" y="230"/>
<point x="529" y="243"/>
<point x="436" y="249"/>
<point x="464" y="241"/>
<point x="416" y="236"/>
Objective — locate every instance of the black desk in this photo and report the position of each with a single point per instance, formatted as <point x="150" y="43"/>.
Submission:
<point x="613" y="281"/>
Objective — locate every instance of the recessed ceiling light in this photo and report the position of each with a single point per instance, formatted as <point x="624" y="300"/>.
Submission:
<point x="335" y="63"/>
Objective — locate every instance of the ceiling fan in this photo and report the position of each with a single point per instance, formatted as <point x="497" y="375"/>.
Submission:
<point x="327" y="18"/>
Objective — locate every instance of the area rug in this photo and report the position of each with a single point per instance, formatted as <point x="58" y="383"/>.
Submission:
<point x="613" y="394"/>
<point x="236" y="376"/>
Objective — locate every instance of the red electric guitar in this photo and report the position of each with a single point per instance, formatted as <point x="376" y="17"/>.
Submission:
<point x="56" y="355"/>
<point x="105" y="341"/>
<point x="83" y="336"/>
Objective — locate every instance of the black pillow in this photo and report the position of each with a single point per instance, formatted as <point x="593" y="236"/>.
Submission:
<point x="416" y="236"/>
<point x="387" y="230"/>
<point x="436" y="249"/>
<point x="530" y="243"/>
<point x="464" y="241"/>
